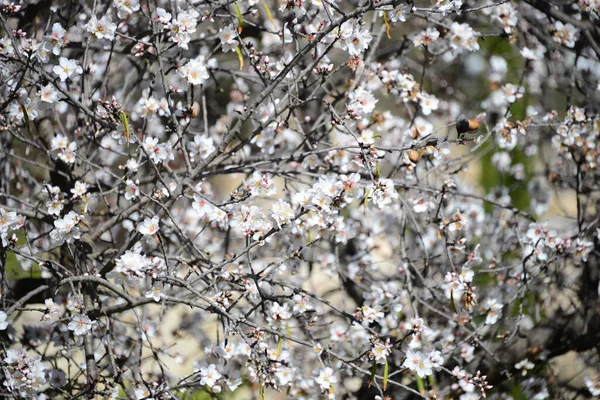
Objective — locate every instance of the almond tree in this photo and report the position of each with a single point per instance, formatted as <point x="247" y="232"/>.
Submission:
<point x="373" y="199"/>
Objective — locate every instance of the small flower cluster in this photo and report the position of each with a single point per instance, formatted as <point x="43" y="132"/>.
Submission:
<point x="195" y="71"/>
<point x="423" y="364"/>
<point x="10" y="221"/>
<point x="64" y="149"/>
<point x="24" y="376"/>
<point x="180" y="28"/>
<point x="102" y="28"/>
<point x="355" y="39"/>
<point x="576" y="137"/>
<point x="67" y="229"/>
<point x="158" y="153"/>
<point x="469" y="383"/>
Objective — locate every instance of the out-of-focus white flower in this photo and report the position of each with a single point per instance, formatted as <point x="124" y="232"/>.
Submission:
<point x="326" y="378"/>
<point x="3" y="322"/>
<point x="228" y="39"/>
<point x="462" y="37"/>
<point x="126" y="7"/>
<point x="565" y="34"/>
<point x="48" y="94"/>
<point x="149" y="226"/>
<point x="494" y="309"/>
<point x="593" y="385"/>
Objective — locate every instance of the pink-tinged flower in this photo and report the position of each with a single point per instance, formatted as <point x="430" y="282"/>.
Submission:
<point x="80" y="189"/>
<point x="149" y="226"/>
<point x="421" y="205"/>
<point x="80" y="324"/>
<point x="446" y="6"/>
<point x="358" y="42"/>
<point x="506" y="14"/>
<point x="528" y="54"/>
<point x="48" y="94"/>
<point x="565" y="34"/>
<point x="416" y="361"/>
<point x="362" y="101"/>
<point x="102" y="28"/>
<point x="162" y="16"/>
<point x="66" y="228"/>
<point x="367" y="137"/>
<point x="53" y="310"/>
<point x="132" y="190"/>
<point x="182" y="26"/>
<point x="381" y="351"/>
<point x="524" y="365"/>
<point x="494" y="311"/>
<point x="56" y="40"/>
<point x="202" y="146"/>
<point x="426" y="37"/>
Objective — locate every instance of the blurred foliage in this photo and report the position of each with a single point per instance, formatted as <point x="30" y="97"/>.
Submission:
<point x="14" y="271"/>
<point x="490" y="177"/>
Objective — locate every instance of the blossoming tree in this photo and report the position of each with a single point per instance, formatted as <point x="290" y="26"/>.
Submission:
<point x="362" y="199"/>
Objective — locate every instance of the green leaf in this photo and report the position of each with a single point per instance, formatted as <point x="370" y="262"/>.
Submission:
<point x="239" y="17"/>
<point x="385" y="375"/>
<point x="279" y="346"/>
<point x="373" y="372"/>
<point x="452" y="302"/>
<point x="125" y="122"/>
<point x="261" y="393"/>
<point x="269" y="15"/>
<point x="431" y="379"/>
<point x="420" y="384"/>
<point x="366" y="199"/>
<point x="240" y="57"/>
<point x="25" y="115"/>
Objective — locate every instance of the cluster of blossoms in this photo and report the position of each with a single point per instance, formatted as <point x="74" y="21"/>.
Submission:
<point x="355" y="38"/>
<point x="423" y="364"/>
<point x="23" y="375"/>
<point x="102" y="28"/>
<point x="10" y="221"/>
<point x="181" y="27"/>
<point x="195" y="71"/>
<point x="321" y="198"/>
<point x="576" y="137"/>
<point x="64" y="149"/>
<point x="67" y="229"/>
<point x="158" y="152"/>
